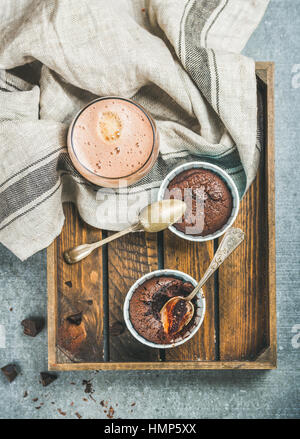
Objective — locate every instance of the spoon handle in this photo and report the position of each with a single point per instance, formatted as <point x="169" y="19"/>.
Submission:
<point x="232" y="239"/>
<point x="80" y="252"/>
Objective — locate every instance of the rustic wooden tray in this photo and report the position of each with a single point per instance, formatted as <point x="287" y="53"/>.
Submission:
<point x="239" y="329"/>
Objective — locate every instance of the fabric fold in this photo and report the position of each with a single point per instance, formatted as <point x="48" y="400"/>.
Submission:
<point x="180" y="59"/>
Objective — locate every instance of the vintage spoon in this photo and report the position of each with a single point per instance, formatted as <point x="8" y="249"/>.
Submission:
<point x="178" y="311"/>
<point x="153" y="218"/>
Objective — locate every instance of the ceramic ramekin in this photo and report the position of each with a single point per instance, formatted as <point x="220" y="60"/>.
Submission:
<point x="225" y="177"/>
<point x="199" y="308"/>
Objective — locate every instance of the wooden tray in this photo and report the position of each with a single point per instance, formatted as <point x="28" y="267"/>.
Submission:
<point x="239" y="329"/>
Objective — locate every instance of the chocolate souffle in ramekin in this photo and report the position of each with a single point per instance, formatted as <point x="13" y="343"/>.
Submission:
<point x="208" y="198"/>
<point x="147" y="301"/>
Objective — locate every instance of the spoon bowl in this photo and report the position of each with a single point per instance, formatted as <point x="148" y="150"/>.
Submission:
<point x="159" y="215"/>
<point x="175" y="314"/>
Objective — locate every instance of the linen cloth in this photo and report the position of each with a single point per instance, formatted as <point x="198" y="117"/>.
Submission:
<point x="180" y="59"/>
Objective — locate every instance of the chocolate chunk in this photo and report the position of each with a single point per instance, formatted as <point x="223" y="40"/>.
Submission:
<point x="117" y="328"/>
<point x="47" y="378"/>
<point x="69" y="283"/>
<point x="32" y="326"/>
<point x="10" y="372"/>
<point x="75" y="319"/>
<point x="88" y="386"/>
<point x="110" y="413"/>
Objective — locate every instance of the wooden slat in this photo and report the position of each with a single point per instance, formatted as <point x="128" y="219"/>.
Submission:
<point x="193" y="258"/>
<point x="247" y="280"/>
<point x="79" y="289"/>
<point x="52" y="302"/>
<point x="243" y="295"/>
<point x="268" y="79"/>
<point x="128" y="259"/>
<point x="167" y="365"/>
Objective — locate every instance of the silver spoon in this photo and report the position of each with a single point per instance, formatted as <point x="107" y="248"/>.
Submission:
<point x="153" y="218"/>
<point x="178" y="311"/>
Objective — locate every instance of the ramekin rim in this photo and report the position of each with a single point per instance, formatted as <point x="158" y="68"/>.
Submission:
<point x="231" y="184"/>
<point x="141" y="280"/>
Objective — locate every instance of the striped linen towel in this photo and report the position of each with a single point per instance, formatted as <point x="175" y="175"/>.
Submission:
<point x="180" y="59"/>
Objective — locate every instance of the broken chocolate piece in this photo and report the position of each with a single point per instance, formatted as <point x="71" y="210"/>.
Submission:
<point x="88" y="386"/>
<point x="10" y="372"/>
<point x="75" y="318"/>
<point x="47" y="378"/>
<point x="117" y="328"/>
<point x="32" y="326"/>
<point x="110" y="413"/>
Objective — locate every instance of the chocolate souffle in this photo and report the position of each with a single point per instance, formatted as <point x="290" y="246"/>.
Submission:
<point x="147" y="301"/>
<point x="208" y="198"/>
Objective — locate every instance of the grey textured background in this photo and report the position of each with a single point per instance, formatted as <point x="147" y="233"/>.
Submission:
<point x="186" y="394"/>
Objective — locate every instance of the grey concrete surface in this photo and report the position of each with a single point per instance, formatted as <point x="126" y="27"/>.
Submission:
<point x="183" y="394"/>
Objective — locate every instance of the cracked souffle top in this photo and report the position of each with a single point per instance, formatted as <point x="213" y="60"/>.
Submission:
<point x="208" y="199"/>
<point x="146" y="303"/>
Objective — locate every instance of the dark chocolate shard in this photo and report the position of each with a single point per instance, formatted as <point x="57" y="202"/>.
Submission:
<point x="32" y="326"/>
<point x="47" y="378"/>
<point x="117" y="328"/>
<point x="75" y="319"/>
<point x="88" y="386"/>
<point x="10" y="372"/>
